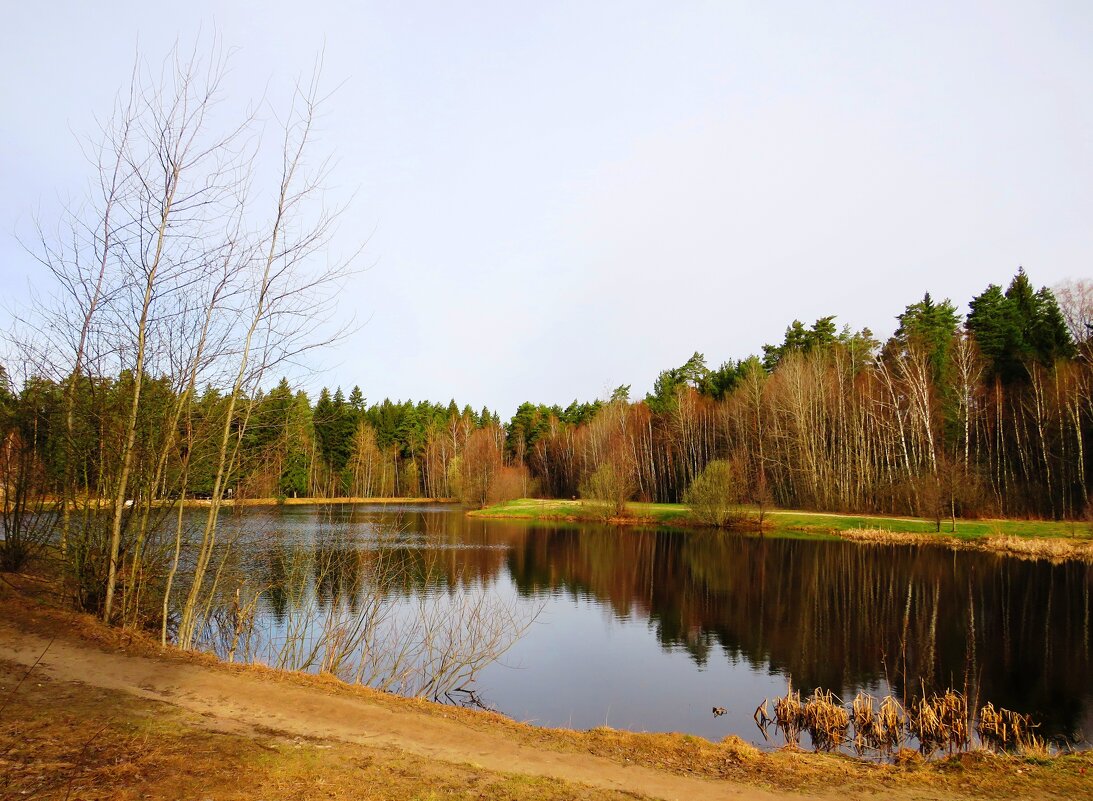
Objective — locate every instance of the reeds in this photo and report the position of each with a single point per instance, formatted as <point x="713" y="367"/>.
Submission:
<point x="789" y="716"/>
<point x="825" y="720"/>
<point x="1003" y="730"/>
<point x="879" y="730"/>
<point x="1052" y="549"/>
<point x="940" y="722"/>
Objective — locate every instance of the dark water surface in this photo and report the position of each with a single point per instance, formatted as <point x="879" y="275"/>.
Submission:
<point x="649" y="629"/>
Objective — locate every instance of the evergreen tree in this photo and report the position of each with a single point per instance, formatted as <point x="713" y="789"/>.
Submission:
<point x="799" y="339"/>
<point x="356" y="399"/>
<point x="724" y="379"/>
<point x="931" y="326"/>
<point x="1018" y="326"/>
<point x="693" y="373"/>
<point x="1049" y="335"/>
<point x="297" y="462"/>
<point x="528" y="424"/>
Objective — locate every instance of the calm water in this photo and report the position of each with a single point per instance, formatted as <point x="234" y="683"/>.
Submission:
<point x="649" y="629"/>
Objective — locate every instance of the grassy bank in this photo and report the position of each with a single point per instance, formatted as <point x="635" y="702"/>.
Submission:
<point x="677" y="514"/>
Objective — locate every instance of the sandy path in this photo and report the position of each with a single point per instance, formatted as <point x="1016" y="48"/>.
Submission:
<point x="249" y="701"/>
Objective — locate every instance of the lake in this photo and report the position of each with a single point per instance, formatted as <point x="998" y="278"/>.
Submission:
<point x="649" y="629"/>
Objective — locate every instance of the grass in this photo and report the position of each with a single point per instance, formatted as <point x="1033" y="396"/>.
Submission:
<point x="535" y="509"/>
<point x="69" y="741"/>
<point x="965" y="529"/>
<point x="61" y="740"/>
<point x="678" y="514"/>
<point x="1025" y="539"/>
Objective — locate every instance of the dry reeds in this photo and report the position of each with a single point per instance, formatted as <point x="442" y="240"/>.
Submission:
<point x="825" y="720"/>
<point x="1002" y="729"/>
<point x="1052" y="549"/>
<point x="789" y="716"/>
<point x="938" y="722"/>
<point x="879" y="730"/>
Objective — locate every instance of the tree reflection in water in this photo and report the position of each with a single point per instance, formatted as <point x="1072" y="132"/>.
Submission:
<point x="829" y="614"/>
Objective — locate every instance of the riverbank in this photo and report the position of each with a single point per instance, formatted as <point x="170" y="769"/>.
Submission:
<point x="1054" y="549"/>
<point x="90" y="711"/>
<point x="231" y="503"/>
<point x="248" y="502"/>
<point x="1049" y="539"/>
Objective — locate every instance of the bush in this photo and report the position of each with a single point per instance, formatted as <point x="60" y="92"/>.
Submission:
<point x="512" y="482"/>
<point x="714" y="495"/>
<point x="609" y="486"/>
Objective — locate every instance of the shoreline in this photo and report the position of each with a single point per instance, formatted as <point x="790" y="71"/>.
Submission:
<point x="244" y="502"/>
<point x="228" y="503"/>
<point x="93" y="672"/>
<point x="1027" y="539"/>
<point x="1053" y="549"/>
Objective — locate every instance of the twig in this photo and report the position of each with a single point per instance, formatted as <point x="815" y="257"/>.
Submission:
<point x="11" y="695"/>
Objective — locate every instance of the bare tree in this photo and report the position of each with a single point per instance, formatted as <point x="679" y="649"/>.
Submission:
<point x="480" y="466"/>
<point x="167" y="280"/>
<point x="1075" y="299"/>
<point x="282" y="290"/>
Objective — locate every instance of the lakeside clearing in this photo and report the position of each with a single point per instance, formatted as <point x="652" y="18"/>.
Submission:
<point x="1025" y="538"/>
<point x="669" y="514"/>
<point x="92" y="709"/>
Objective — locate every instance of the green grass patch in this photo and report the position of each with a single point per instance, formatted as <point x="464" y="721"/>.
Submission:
<point x="669" y="514"/>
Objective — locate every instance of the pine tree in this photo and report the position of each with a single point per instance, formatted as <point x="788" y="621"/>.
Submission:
<point x="1018" y="326"/>
<point x="932" y="326"/>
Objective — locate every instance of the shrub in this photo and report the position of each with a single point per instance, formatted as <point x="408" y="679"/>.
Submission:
<point x="714" y="495"/>
<point x="610" y="486"/>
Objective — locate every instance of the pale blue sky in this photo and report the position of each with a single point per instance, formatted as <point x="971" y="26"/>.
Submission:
<point x="570" y="196"/>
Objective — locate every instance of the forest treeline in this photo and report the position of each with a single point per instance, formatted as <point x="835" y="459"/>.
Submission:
<point x="986" y="415"/>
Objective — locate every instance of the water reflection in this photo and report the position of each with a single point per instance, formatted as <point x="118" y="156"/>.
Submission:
<point x="649" y="629"/>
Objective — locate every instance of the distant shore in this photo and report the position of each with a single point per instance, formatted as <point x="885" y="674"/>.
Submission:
<point x="103" y="503"/>
<point x="322" y="501"/>
<point x="1036" y="539"/>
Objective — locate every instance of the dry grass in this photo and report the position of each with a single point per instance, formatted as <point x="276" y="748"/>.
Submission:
<point x="60" y="741"/>
<point x="825" y="720"/>
<point x="1053" y="549"/>
<point x="1004" y="730"/>
<point x="940" y="722"/>
<point x="880" y="730"/>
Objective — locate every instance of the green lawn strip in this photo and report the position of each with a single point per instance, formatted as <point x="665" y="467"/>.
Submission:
<point x="679" y="514"/>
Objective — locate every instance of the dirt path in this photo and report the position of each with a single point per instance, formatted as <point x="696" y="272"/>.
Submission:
<point x="243" y="701"/>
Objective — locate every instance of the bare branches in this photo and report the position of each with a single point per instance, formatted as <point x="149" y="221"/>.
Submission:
<point x="184" y="268"/>
<point x="371" y="615"/>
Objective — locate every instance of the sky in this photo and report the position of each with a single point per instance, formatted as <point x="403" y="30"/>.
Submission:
<point x="558" y="198"/>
